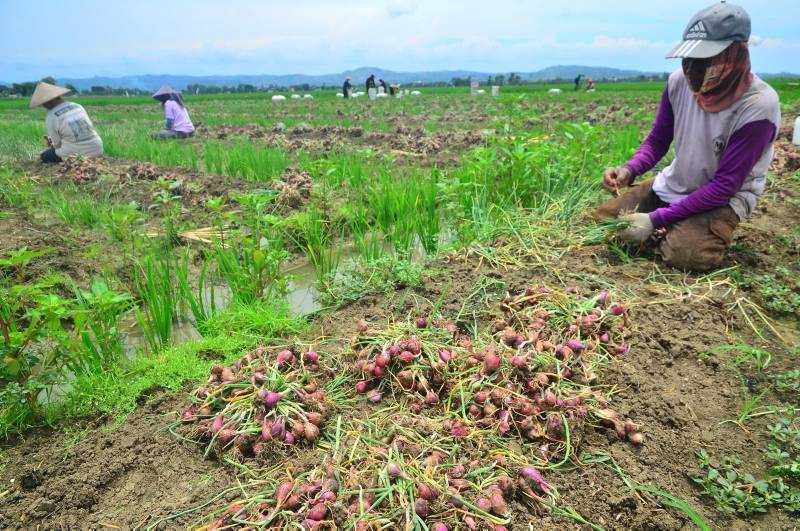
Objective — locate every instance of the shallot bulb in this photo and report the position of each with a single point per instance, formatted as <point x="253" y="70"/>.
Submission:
<point x="534" y="476"/>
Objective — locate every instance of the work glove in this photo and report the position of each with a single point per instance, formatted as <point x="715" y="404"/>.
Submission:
<point x="639" y="230"/>
<point x="616" y="178"/>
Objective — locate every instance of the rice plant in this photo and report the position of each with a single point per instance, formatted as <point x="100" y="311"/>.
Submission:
<point x="200" y="300"/>
<point x="73" y="209"/>
<point x="366" y="238"/>
<point x="424" y="190"/>
<point x="157" y="289"/>
<point x="318" y="239"/>
<point x="135" y="143"/>
<point x="244" y="160"/>
<point x="394" y="204"/>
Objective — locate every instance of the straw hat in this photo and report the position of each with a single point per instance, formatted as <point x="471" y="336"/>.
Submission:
<point x="165" y="90"/>
<point x="45" y="92"/>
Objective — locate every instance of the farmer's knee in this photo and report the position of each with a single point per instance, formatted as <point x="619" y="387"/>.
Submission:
<point x="684" y="255"/>
<point x="606" y="210"/>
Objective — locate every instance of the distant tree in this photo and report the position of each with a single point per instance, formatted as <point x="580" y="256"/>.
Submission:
<point x="514" y="79"/>
<point x="490" y="80"/>
<point x="460" y="81"/>
<point x="49" y="79"/>
<point x="96" y="89"/>
<point x="72" y="88"/>
<point x="4" y="90"/>
<point x="499" y="79"/>
<point x="23" y="89"/>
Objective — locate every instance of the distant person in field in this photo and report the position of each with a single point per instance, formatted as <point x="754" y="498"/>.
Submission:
<point x="723" y="121"/>
<point x="382" y="83"/>
<point x="177" y="123"/>
<point x="69" y="129"/>
<point x="347" y="87"/>
<point x="589" y="84"/>
<point x="370" y="82"/>
<point x="578" y="82"/>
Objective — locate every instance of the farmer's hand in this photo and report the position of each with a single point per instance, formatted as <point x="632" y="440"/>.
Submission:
<point x="639" y="230"/>
<point x="616" y="178"/>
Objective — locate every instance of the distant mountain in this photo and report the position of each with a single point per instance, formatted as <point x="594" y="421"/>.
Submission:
<point x="563" y="72"/>
<point x="572" y="71"/>
<point x="152" y="82"/>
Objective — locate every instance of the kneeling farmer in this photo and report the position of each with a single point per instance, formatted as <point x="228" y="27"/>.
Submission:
<point x="723" y="121"/>
<point x="69" y="129"/>
<point x="177" y="123"/>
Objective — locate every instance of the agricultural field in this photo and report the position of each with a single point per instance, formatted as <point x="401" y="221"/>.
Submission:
<point x="325" y="313"/>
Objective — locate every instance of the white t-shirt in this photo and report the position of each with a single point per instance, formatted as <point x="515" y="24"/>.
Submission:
<point x="71" y="131"/>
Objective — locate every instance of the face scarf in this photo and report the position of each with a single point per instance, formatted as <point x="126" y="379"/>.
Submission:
<point x="718" y="82"/>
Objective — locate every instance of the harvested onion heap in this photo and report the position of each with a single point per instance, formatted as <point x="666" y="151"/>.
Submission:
<point x="399" y="483"/>
<point x="533" y="381"/>
<point x="412" y="360"/>
<point x="536" y="381"/>
<point x="308" y="502"/>
<point x="262" y="399"/>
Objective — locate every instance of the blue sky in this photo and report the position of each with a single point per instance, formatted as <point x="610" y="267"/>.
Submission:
<point x="70" y="38"/>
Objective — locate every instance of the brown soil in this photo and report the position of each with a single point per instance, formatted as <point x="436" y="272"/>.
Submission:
<point x="124" y="181"/>
<point x="128" y="476"/>
<point x="404" y="142"/>
<point x="67" y="250"/>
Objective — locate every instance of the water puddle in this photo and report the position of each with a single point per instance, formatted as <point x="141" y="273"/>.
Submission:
<point x="302" y="296"/>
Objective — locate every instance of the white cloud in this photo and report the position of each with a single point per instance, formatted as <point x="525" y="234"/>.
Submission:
<point x="780" y="44"/>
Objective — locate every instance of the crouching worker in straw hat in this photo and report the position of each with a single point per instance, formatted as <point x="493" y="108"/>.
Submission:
<point x="177" y="122"/>
<point x="69" y="129"/>
<point x="723" y="121"/>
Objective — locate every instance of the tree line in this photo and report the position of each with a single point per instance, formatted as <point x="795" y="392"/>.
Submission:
<point x="26" y="89"/>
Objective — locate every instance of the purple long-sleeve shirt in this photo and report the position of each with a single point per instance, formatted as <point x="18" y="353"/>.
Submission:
<point x="744" y="149"/>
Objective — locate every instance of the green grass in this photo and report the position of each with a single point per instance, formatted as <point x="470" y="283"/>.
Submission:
<point x="116" y="392"/>
<point x="246" y="160"/>
<point x="254" y="322"/>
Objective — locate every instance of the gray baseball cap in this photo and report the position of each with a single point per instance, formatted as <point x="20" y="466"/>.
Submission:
<point x="712" y="30"/>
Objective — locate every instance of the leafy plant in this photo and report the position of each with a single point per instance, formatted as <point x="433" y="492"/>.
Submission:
<point x="735" y="491"/>
<point x="316" y="236"/>
<point x="16" y="260"/>
<point x="97" y="318"/>
<point x="250" y="261"/>
<point x="29" y="315"/>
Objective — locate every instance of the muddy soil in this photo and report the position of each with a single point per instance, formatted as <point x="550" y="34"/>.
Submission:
<point x="64" y="250"/>
<point x="145" y="184"/>
<point x="102" y="476"/>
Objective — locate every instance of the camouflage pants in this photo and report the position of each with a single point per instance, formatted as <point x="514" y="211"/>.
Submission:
<point x="697" y="243"/>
